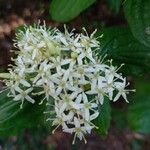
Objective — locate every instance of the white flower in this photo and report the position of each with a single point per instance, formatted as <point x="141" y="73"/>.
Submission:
<point x="42" y="73"/>
<point x="67" y="101"/>
<point x="99" y="89"/>
<point x="62" y="82"/>
<point x="87" y="107"/>
<point x="120" y="86"/>
<point x="58" y="62"/>
<point x="13" y="86"/>
<point x="111" y="73"/>
<point x="48" y="90"/>
<point x="78" y="130"/>
<point x="23" y="95"/>
<point x="19" y="79"/>
<point x="89" y="41"/>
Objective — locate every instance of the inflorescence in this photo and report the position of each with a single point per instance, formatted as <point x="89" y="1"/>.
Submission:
<point x="68" y="74"/>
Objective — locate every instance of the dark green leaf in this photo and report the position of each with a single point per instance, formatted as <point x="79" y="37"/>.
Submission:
<point x="120" y="45"/>
<point x="103" y="120"/>
<point x="50" y="114"/>
<point x="142" y="85"/>
<point x="114" y="5"/>
<point x="13" y="119"/>
<point x="66" y="10"/>
<point x="139" y="114"/>
<point x="119" y="118"/>
<point x="139" y="107"/>
<point x="137" y="13"/>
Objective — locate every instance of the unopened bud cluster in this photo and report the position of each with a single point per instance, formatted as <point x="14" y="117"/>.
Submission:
<point x="65" y="69"/>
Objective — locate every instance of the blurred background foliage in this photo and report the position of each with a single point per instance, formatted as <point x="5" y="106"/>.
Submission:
<point x="124" y="28"/>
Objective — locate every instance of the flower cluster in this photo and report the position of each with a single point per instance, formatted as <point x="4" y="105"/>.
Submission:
<point x="65" y="67"/>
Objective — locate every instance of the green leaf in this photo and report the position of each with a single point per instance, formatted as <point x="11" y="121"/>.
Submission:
<point x="137" y="13"/>
<point x="139" y="107"/>
<point x="139" y="114"/>
<point x="114" y="5"/>
<point x="104" y="118"/>
<point x="119" y="118"/>
<point x="13" y="119"/>
<point x="120" y="45"/>
<point x="50" y="113"/>
<point x="66" y="10"/>
<point x="142" y="85"/>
